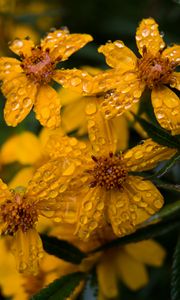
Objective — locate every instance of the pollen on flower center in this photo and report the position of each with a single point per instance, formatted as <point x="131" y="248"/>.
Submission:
<point x="39" y="67"/>
<point x="109" y="172"/>
<point x="154" y="70"/>
<point x="18" y="214"/>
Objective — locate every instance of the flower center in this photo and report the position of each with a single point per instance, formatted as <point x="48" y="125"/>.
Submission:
<point x="109" y="172"/>
<point x="39" y="67"/>
<point x="18" y="214"/>
<point x="154" y="70"/>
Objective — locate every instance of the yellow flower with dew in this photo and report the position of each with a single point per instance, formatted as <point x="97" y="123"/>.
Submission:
<point x="26" y="82"/>
<point x="124" y="83"/>
<point x="96" y="187"/>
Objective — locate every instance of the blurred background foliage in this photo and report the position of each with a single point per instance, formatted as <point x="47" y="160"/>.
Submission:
<point x="104" y="20"/>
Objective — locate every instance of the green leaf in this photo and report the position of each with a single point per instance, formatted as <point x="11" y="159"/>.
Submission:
<point x="144" y="233"/>
<point x="175" y="278"/>
<point x="158" y="134"/>
<point x="168" y="165"/>
<point x="61" y="288"/>
<point x="167" y="186"/>
<point x="62" y="249"/>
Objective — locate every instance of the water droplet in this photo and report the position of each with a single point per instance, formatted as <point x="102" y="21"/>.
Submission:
<point x="75" y="81"/>
<point x="14" y="105"/>
<point x="70" y="170"/>
<point x="27" y="102"/>
<point x="18" y="43"/>
<point x="145" y="32"/>
<point x="171" y="102"/>
<point x="93" y="225"/>
<point x="100" y="205"/>
<point x="137" y="197"/>
<point x="158" y="203"/>
<point x="119" y="44"/>
<point x="88" y="206"/>
<point x="7" y="65"/>
<point x="91" y="108"/>
<point x="83" y="220"/>
<point x="62" y="188"/>
<point x="159" y="115"/>
<point x="57" y="219"/>
<point x="138" y="154"/>
<point x="87" y="86"/>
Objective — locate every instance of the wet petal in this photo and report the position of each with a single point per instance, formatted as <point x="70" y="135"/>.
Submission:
<point x="133" y="273"/>
<point x="20" y="95"/>
<point x="136" y="202"/>
<point x="118" y="56"/>
<point x="5" y="194"/>
<point x="9" y="68"/>
<point x="175" y="80"/>
<point x="173" y="54"/>
<point x="22" y="46"/>
<point x="107" y="278"/>
<point x="146" y="156"/>
<point x="101" y="134"/>
<point x="24" y="147"/>
<point x="47" y="107"/>
<point x="147" y="35"/>
<point x="148" y="252"/>
<point x="121" y="98"/>
<point x="28" y="251"/>
<point x="91" y="212"/>
<point x="166" y="106"/>
<point x="62" y="44"/>
<point x="22" y="178"/>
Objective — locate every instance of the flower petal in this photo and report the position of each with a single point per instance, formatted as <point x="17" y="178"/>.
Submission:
<point x="166" y="106"/>
<point x="121" y="98"/>
<point x="148" y="252"/>
<point x="91" y="215"/>
<point x="22" y="46"/>
<point x="107" y="278"/>
<point x="101" y="133"/>
<point x="119" y="56"/>
<point x="133" y="273"/>
<point x="9" y="68"/>
<point x="62" y="44"/>
<point x="47" y="107"/>
<point x="176" y="80"/>
<point x="22" y="178"/>
<point x="147" y="35"/>
<point x="20" y="95"/>
<point x="146" y="156"/>
<point x="5" y="194"/>
<point x="173" y="54"/>
<point x="27" y="259"/>
<point x="138" y="200"/>
<point x="24" y="147"/>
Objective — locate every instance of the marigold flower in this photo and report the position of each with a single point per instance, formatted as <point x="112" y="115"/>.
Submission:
<point x="123" y="85"/>
<point x="20" y="210"/>
<point x="26" y="81"/>
<point x="95" y="186"/>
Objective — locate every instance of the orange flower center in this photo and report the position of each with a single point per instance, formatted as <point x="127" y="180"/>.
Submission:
<point x="18" y="214"/>
<point x="39" y="67"/>
<point x="154" y="70"/>
<point x="109" y="172"/>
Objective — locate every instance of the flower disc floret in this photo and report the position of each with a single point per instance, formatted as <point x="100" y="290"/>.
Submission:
<point x="18" y="214"/>
<point x="109" y="172"/>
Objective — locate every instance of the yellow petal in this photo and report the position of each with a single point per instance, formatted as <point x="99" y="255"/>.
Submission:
<point x="20" y="95"/>
<point x="9" y="68"/>
<point x="22" y="46"/>
<point x="146" y="156"/>
<point x="5" y="194"/>
<point x="26" y="260"/>
<point x="24" y="148"/>
<point x="101" y="133"/>
<point x="122" y="97"/>
<point x="68" y="96"/>
<point x="47" y="107"/>
<point x="132" y="272"/>
<point x="172" y="53"/>
<point x="46" y="133"/>
<point x="91" y="212"/>
<point x="121" y="130"/>
<point x="119" y="56"/>
<point x="166" y="106"/>
<point x="147" y="35"/>
<point x="176" y="80"/>
<point x="73" y="116"/>
<point x="22" y="178"/>
<point x="148" y="252"/>
<point x="62" y="44"/>
<point x="107" y="278"/>
<point x="136" y="202"/>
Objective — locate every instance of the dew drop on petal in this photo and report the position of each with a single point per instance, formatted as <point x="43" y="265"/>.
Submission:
<point x="91" y="108"/>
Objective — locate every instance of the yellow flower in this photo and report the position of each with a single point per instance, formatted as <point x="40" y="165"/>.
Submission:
<point x="95" y="187"/>
<point x="29" y="150"/>
<point x="20" y="210"/>
<point x="26" y="81"/>
<point x="123" y="85"/>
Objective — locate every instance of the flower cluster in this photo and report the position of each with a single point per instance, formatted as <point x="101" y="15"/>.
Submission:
<point x="86" y="190"/>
